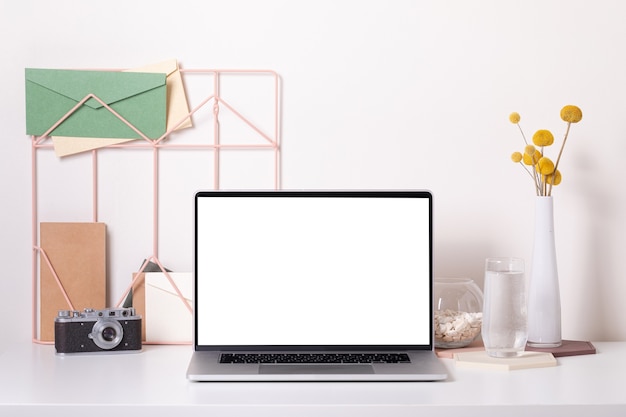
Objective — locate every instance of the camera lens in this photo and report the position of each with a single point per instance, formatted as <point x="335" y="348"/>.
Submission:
<point x="107" y="333"/>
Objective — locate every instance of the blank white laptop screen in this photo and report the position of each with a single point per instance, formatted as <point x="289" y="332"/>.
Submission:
<point x="313" y="271"/>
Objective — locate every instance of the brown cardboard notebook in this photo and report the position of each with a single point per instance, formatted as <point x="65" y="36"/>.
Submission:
<point x="77" y="252"/>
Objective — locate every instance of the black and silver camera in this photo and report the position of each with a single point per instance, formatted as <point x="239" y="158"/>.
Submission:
<point x="108" y="330"/>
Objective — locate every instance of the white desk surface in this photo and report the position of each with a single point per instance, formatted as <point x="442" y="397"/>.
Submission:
<point x="34" y="381"/>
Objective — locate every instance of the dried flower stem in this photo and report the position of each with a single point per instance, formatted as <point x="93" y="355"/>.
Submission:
<point x="522" y="132"/>
<point x="533" y="175"/>
<point x="558" y="158"/>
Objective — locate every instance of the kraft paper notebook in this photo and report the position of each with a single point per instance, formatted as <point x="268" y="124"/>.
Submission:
<point x="77" y="253"/>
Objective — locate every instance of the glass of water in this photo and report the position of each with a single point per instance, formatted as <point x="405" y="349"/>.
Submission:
<point x="505" y="319"/>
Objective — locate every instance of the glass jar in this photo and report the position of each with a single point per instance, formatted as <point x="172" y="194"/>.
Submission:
<point x="458" y="312"/>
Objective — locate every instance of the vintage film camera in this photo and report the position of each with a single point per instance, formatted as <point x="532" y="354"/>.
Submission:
<point x="100" y="331"/>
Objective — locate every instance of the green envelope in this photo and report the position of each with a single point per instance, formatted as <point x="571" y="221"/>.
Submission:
<point x="140" y="98"/>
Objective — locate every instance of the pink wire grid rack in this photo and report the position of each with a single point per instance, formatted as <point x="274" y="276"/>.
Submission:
<point x="214" y="101"/>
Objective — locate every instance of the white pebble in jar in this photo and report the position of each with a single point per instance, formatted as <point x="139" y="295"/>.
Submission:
<point x="457" y="326"/>
<point x="457" y="312"/>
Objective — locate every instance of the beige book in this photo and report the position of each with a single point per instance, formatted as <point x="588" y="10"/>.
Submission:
<point x="77" y="253"/>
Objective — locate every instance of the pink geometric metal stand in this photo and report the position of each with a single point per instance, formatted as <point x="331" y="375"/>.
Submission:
<point x="270" y="143"/>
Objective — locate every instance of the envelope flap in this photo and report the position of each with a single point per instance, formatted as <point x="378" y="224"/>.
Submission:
<point x="109" y="86"/>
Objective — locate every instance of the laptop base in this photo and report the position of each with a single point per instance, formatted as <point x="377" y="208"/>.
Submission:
<point x="424" y="366"/>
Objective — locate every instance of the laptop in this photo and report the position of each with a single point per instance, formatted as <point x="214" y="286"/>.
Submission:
<point x="313" y="286"/>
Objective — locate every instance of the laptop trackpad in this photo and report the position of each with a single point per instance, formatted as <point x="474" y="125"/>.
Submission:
<point x="315" y="369"/>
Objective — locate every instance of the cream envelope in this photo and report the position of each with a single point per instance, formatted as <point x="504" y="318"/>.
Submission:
<point x="177" y="111"/>
<point x="64" y="145"/>
<point x="167" y="318"/>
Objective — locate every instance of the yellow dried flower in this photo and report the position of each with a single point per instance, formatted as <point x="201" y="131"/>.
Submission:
<point x="545" y="166"/>
<point x="571" y="114"/>
<point x="554" y="178"/>
<point x="532" y="159"/>
<point x="544" y="173"/>
<point x="514" y="118"/>
<point x="516" y="157"/>
<point x="543" y="137"/>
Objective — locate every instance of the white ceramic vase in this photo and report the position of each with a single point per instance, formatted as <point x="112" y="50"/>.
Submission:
<point x="544" y="299"/>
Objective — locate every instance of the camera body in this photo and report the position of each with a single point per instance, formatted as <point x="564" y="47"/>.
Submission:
<point x="97" y="331"/>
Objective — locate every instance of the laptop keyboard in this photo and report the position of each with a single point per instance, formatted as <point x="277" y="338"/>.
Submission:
<point x="314" y="358"/>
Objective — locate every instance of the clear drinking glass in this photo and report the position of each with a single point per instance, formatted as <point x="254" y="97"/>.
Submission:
<point x="505" y="322"/>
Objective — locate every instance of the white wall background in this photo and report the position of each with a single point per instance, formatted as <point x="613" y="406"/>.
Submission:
<point x="375" y="94"/>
